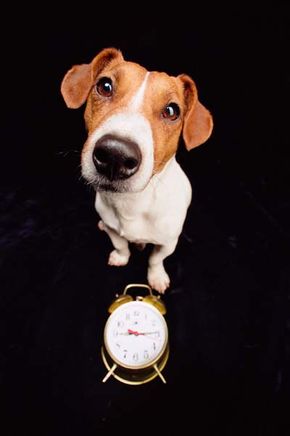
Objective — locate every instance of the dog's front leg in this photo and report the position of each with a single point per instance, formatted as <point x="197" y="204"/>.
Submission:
<point x="157" y="276"/>
<point x="121" y="254"/>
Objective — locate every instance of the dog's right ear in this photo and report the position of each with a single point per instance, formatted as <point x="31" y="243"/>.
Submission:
<point x="79" y="80"/>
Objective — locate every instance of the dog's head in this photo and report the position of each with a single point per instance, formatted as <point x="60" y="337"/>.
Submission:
<point x="134" y="119"/>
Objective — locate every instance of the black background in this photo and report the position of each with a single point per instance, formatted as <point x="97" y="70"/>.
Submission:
<point x="228" y="306"/>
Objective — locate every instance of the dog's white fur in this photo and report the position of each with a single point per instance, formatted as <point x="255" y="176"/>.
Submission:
<point x="150" y="206"/>
<point x="155" y="215"/>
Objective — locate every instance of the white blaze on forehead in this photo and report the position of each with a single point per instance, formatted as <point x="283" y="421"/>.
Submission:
<point x="137" y="100"/>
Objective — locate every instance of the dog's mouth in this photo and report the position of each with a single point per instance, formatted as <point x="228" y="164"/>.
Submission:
<point x="102" y="184"/>
<point x="110" y="187"/>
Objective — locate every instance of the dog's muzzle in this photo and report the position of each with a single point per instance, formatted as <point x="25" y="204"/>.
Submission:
<point x="116" y="158"/>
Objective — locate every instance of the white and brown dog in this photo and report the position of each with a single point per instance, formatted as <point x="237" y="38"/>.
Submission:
<point x="134" y="119"/>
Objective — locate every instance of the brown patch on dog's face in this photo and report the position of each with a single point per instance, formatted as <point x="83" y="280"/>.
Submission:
<point x="161" y="91"/>
<point x="164" y="94"/>
<point x="126" y="78"/>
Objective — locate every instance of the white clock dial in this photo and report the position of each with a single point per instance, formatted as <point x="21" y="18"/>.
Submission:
<point x="135" y="335"/>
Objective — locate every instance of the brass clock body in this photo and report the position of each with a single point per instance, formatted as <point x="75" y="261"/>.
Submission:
<point x="135" y="348"/>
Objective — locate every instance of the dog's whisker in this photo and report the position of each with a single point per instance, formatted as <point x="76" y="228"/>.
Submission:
<point x="65" y="153"/>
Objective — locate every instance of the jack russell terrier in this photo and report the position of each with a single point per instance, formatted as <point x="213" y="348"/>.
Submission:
<point x="134" y="120"/>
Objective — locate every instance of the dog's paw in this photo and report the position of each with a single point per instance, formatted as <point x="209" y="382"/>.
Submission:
<point x="158" y="278"/>
<point x="101" y="225"/>
<point x="118" y="259"/>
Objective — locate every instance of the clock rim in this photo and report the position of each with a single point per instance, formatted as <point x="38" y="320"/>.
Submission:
<point x="161" y="352"/>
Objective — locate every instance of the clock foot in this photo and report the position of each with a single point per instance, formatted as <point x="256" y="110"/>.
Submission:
<point x="109" y="373"/>
<point x="159" y="373"/>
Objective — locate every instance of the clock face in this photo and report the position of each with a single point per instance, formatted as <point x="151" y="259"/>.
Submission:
<point x="135" y="335"/>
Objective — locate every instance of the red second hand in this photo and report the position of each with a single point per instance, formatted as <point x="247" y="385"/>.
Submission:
<point x="134" y="332"/>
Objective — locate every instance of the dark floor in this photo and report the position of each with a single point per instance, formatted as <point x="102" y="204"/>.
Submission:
<point x="228" y="306"/>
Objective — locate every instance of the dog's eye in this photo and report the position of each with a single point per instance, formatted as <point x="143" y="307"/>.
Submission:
<point x="171" y="112"/>
<point x="105" y="87"/>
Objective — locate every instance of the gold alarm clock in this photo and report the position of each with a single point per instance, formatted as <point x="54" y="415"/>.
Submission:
<point x="135" y="348"/>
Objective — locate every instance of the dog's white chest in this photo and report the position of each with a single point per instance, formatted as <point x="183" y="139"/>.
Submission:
<point x="153" y="215"/>
<point x="129" y="217"/>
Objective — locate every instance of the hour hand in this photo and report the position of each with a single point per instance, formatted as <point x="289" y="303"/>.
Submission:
<point x="130" y="332"/>
<point x="134" y="332"/>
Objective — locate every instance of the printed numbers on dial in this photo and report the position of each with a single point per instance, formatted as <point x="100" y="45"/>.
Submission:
<point x="135" y="334"/>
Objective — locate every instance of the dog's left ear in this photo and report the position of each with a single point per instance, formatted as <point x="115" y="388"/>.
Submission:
<point x="79" y="80"/>
<point x="198" y="123"/>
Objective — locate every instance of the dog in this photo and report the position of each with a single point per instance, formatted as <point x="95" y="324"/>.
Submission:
<point x="135" y="119"/>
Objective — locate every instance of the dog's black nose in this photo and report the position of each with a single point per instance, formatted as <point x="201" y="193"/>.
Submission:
<point x="116" y="158"/>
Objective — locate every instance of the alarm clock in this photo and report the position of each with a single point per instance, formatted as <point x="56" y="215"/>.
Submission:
<point x="135" y="345"/>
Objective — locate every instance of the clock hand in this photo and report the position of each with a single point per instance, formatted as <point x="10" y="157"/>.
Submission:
<point x="134" y="332"/>
<point x="130" y="332"/>
<point x="149" y="333"/>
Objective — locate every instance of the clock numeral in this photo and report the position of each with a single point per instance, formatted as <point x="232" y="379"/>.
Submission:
<point x="115" y="333"/>
<point x="120" y="323"/>
<point x="135" y="357"/>
<point x="154" y="346"/>
<point x="153" y="323"/>
<point x="136" y="313"/>
<point x="125" y="353"/>
<point x="146" y="354"/>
